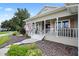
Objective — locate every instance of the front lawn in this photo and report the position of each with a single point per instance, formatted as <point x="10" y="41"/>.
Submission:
<point x="4" y="39"/>
<point x="3" y="32"/>
<point x="24" y="50"/>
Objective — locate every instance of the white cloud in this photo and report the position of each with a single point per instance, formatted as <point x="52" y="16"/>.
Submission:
<point x="8" y="9"/>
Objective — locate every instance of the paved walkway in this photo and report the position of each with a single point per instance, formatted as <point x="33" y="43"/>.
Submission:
<point x="56" y="49"/>
<point x="3" y="51"/>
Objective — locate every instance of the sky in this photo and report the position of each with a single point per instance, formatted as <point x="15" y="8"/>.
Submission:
<point x="7" y="10"/>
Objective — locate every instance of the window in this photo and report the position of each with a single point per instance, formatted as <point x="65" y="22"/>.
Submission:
<point x="65" y="24"/>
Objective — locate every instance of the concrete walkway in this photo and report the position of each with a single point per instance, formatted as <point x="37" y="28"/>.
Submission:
<point x="3" y="51"/>
<point x="34" y="38"/>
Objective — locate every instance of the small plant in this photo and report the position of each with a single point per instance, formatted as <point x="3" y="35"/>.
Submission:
<point x="14" y="34"/>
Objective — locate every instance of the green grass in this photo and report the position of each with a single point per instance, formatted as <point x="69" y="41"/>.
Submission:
<point x="3" y="32"/>
<point x="4" y="39"/>
<point x="24" y="50"/>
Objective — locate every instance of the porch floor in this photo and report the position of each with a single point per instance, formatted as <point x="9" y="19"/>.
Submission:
<point x="56" y="49"/>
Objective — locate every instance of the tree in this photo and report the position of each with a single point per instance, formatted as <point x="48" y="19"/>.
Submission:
<point x="6" y="25"/>
<point x="16" y="22"/>
<point x="21" y="15"/>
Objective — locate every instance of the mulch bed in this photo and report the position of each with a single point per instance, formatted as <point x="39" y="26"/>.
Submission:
<point x="56" y="49"/>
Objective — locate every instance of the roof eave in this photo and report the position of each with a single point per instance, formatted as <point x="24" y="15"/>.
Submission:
<point x="56" y="10"/>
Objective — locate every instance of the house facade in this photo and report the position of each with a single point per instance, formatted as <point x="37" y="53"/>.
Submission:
<point x="58" y="24"/>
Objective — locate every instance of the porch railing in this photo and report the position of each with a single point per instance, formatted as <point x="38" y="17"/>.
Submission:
<point x="66" y="32"/>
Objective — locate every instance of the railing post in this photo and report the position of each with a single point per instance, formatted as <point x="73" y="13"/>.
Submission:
<point x="40" y="27"/>
<point x="44" y="26"/>
<point x="57" y="27"/>
<point x="78" y="29"/>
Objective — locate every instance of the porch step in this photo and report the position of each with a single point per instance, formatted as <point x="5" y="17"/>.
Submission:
<point x="37" y="36"/>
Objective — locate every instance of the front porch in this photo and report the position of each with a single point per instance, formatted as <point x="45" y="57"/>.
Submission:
<point x="59" y="25"/>
<point x="63" y="29"/>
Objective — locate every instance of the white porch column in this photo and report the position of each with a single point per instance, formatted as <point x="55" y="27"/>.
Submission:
<point x="34" y="28"/>
<point x="78" y="29"/>
<point x="57" y="27"/>
<point x="44" y="26"/>
<point x="40" y="27"/>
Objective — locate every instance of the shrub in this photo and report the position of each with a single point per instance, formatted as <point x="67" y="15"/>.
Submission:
<point x="24" y="50"/>
<point x="14" y="34"/>
<point x="16" y="50"/>
<point x="22" y="31"/>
